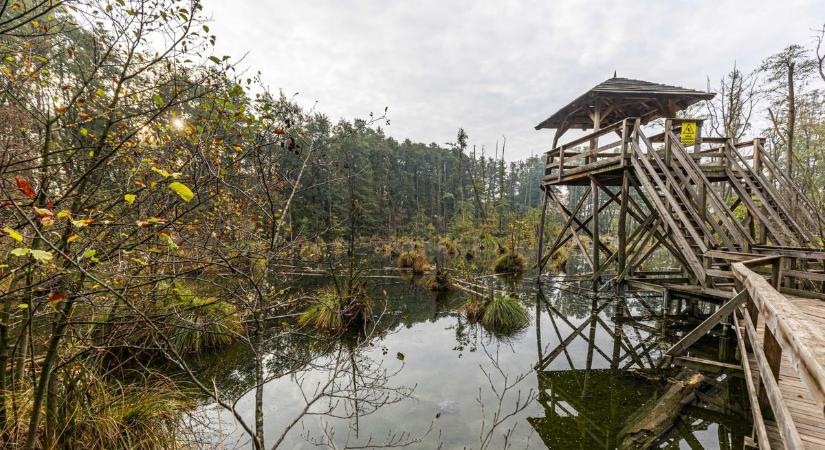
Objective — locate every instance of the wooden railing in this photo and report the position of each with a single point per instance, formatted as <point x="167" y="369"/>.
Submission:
<point x="559" y="158"/>
<point x="784" y="333"/>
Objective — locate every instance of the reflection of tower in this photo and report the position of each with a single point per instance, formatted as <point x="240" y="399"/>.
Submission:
<point x="587" y="404"/>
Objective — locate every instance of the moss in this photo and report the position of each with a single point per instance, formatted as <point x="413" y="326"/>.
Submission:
<point x="415" y="260"/>
<point x="510" y="263"/>
<point x="505" y="314"/>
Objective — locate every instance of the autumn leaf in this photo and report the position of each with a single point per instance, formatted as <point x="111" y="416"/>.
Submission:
<point x="42" y="255"/>
<point x="13" y="234"/>
<point x="57" y="297"/>
<point x="400" y="356"/>
<point x="182" y="190"/>
<point x="130" y="198"/>
<point x="24" y="187"/>
<point x="82" y="223"/>
<point x="22" y="251"/>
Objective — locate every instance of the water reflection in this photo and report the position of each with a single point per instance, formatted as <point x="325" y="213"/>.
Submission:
<point x="601" y="374"/>
<point x="428" y="378"/>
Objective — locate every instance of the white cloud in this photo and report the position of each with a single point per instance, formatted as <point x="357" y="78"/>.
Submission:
<point x="494" y="67"/>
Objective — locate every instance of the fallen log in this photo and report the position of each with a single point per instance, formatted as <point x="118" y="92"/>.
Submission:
<point x="645" y="427"/>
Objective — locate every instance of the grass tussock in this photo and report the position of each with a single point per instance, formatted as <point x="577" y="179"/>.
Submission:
<point x="199" y="324"/>
<point x="504" y="313"/>
<point x="510" y="263"/>
<point x="415" y="260"/>
<point x="559" y="259"/>
<point x="473" y="310"/>
<point x="334" y="313"/>
<point x="448" y="246"/>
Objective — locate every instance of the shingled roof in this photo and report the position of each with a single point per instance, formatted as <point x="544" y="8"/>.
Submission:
<point x="619" y="98"/>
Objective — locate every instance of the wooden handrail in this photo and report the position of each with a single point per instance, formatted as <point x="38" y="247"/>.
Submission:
<point x="804" y="345"/>
<point x="586" y="138"/>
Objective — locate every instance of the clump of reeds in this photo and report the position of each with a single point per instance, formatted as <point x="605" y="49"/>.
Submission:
<point x="415" y="260"/>
<point x="448" y="246"/>
<point x="334" y="312"/>
<point x="504" y="313"/>
<point x="510" y="262"/>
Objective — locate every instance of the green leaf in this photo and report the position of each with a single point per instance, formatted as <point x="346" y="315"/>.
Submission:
<point x="206" y="28"/>
<point x="13" y="234"/>
<point x="22" y="251"/>
<point x="42" y="255"/>
<point x="130" y="198"/>
<point x="182" y="190"/>
<point x="215" y="59"/>
<point x="158" y="100"/>
<point x="89" y="253"/>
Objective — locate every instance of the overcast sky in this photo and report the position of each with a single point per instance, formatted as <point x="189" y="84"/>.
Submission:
<point x="493" y="67"/>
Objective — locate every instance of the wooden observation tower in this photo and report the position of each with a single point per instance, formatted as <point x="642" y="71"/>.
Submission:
<point x="741" y="231"/>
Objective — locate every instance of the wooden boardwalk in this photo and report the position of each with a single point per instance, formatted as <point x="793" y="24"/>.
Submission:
<point x="741" y="231"/>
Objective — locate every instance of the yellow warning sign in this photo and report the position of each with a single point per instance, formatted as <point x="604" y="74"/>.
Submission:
<point x="688" y="133"/>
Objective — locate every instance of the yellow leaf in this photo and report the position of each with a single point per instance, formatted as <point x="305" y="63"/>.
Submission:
<point x="71" y="238"/>
<point x="13" y="234"/>
<point x="182" y="190"/>
<point x="23" y="306"/>
<point x="130" y="198"/>
<point x="63" y="214"/>
<point x="161" y="172"/>
<point x="42" y="255"/>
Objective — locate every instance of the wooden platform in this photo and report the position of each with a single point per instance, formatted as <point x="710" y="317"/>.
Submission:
<point x="806" y="415"/>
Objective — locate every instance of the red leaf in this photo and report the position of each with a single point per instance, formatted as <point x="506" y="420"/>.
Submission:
<point x="24" y="187"/>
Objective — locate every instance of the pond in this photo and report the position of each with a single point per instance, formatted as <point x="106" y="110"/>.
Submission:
<point x="575" y="377"/>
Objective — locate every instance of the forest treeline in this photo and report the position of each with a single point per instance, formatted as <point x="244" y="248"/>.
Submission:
<point x="412" y="189"/>
<point x="153" y="198"/>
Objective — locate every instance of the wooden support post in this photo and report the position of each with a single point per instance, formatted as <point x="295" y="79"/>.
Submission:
<point x="622" y="250"/>
<point x="540" y="237"/>
<point x="773" y="354"/>
<point x="594" y="193"/>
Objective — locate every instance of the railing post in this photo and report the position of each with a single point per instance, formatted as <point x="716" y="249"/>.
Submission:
<point x="561" y="161"/>
<point x="625" y="141"/>
<point x="773" y="353"/>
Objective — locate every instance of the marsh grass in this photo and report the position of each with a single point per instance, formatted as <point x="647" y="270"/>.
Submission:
<point x="201" y="323"/>
<point x="415" y="260"/>
<point x="504" y="314"/>
<point x="332" y="312"/>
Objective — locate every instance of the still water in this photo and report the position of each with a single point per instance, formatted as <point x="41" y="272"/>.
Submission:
<point x="582" y="370"/>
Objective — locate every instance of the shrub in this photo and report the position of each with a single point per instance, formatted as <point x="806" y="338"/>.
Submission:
<point x="510" y="263"/>
<point x="504" y="313"/>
